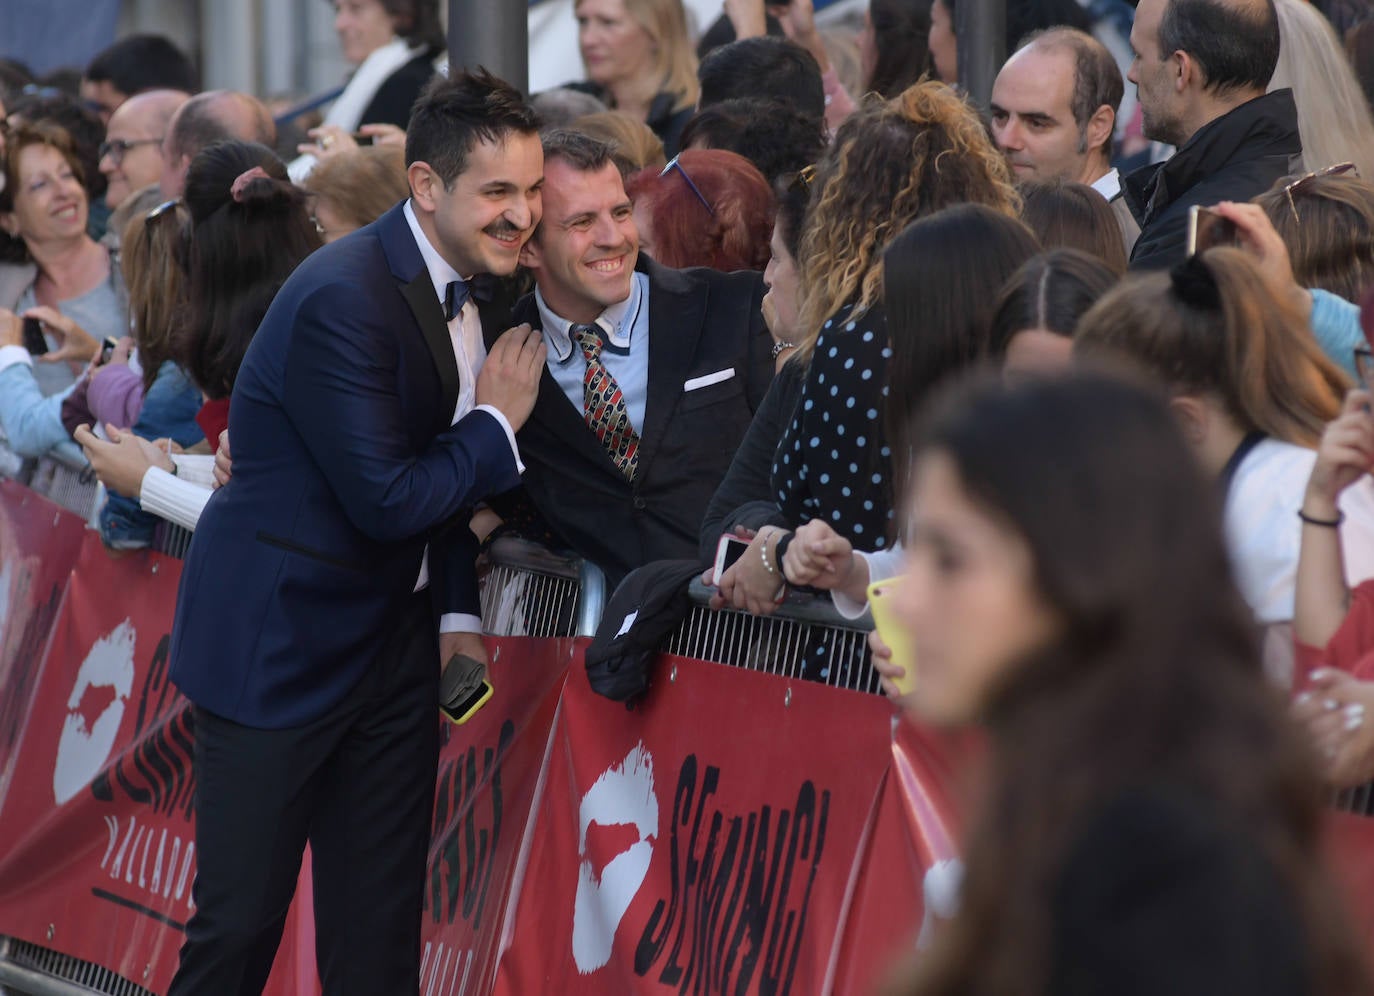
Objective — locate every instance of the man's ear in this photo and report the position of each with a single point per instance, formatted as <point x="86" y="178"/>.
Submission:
<point x="424" y="186"/>
<point x="1193" y="418"/>
<point x="530" y="254"/>
<point x="1100" y="127"/>
<point x="1187" y="73"/>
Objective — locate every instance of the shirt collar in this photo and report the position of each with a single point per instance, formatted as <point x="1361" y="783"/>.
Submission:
<point x="617" y="322"/>
<point x="1109" y="184"/>
<point x="440" y="273"/>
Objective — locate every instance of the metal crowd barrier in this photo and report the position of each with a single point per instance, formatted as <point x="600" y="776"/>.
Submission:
<point x="65" y="479"/>
<point x="37" y="971"/>
<point x="528" y="590"/>
<point x="804" y="639"/>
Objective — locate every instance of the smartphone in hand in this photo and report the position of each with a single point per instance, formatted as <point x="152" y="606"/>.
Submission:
<point x="728" y="551"/>
<point x="892" y="631"/>
<point x="34" y="340"/>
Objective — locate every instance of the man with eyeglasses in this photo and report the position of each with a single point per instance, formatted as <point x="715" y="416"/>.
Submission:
<point x="652" y="376"/>
<point x="131" y="155"/>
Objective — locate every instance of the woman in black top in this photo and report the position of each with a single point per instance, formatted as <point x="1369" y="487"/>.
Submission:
<point x="1151" y="818"/>
<point x="891" y="162"/>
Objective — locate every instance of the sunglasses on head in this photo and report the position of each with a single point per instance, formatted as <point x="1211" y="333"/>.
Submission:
<point x="673" y="164"/>
<point x="1302" y="181"/>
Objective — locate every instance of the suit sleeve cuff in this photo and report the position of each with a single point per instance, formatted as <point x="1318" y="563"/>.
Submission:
<point x="459" y="622"/>
<point x="10" y="355"/>
<point x="510" y="436"/>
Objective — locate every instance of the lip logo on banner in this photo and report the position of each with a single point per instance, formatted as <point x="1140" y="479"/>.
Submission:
<point x="94" y="711"/>
<point x="622" y="795"/>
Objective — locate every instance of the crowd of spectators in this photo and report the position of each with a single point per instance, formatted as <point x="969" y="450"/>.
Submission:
<point x="1088" y="400"/>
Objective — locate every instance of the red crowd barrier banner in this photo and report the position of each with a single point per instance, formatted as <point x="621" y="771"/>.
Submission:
<point x="716" y="840"/>
<point x="737" y="831"/>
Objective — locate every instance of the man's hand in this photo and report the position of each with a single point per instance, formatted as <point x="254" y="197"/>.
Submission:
<point x="121" y="463"/>
<point x="509" y="380"/>
<point x="223" y="465"/>
<point x="469" y="644"/>
<point x="77" y="344"/>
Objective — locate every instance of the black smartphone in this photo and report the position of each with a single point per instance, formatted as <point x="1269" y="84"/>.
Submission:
<point x="1207" y="229"/>
<point x="362" y="139"/>
<point x="34" y="340"/>
<point x="107" y="348"/>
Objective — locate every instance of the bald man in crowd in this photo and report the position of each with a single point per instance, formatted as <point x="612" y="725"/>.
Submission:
<point x="1054" y="107"/>
<point x="1201" y="68"/>
<point x="131" y="155"/>
<point x="207" y="118"/>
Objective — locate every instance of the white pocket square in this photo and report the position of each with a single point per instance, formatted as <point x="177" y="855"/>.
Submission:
<point x="706" y="380"/>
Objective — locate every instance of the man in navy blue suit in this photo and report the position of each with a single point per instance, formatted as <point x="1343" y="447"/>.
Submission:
<point x="367" y="418"/>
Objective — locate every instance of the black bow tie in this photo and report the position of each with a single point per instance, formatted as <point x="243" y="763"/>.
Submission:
<point x="482" y="287"/>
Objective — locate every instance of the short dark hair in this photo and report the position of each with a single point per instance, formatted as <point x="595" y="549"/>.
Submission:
<point x="579" y="150"/>
<point x="143" y="62"/>
<point x="453" y="113"/>
<point x="1236" y="48"/>
<point x="776" y="138"/>
<point x="1096" y="76"/>
<point x="763" y="67"/>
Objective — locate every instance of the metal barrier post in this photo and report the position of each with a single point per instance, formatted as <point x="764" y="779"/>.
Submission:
<point x="495" y="35"/>
<point x="592" y="599"/>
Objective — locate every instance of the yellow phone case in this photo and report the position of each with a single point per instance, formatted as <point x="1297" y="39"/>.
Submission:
<point x="892" y="631"/>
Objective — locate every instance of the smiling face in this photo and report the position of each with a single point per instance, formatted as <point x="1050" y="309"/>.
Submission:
<point x="363" y="26"/>
<point x="482" y="220"/>
<point x="615" y="46"/>
<point x="584" y="254"/>
<point x="134" y="159"/>
<point x="1032" y="117"/>
<point x="49" y="202"/>
<point x="969" y="602"/>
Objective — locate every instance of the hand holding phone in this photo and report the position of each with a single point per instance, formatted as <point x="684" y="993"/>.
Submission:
<point x="1207" y="229"/>
<point x="34" y="340"/>
<point x="728" y="551"/>
<point x="892" y="631"/>
<point x="463" y="688"/>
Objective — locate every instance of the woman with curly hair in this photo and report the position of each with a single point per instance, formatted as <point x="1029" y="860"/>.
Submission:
<point x="891" y="163"/>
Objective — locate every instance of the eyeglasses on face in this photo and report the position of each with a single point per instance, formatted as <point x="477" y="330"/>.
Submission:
<point x="117" y="147"/>
<point x="673" y="164"/>
<point x="1302" y="181"/>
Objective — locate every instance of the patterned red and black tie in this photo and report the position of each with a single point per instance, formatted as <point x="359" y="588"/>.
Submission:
<point x="604" y="404"/>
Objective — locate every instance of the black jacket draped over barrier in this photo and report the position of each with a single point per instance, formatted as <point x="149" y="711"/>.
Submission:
<point x="1233" y="158"/>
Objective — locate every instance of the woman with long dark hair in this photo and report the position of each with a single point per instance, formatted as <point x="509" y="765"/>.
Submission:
<point x="1151" y="822"/>
<point x="249" y="229"/>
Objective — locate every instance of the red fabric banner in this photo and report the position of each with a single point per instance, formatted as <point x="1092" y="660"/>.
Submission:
<point x="736" y="831"/>
<point x="716" y="840"/>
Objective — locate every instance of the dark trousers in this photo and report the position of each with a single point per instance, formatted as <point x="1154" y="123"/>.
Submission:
<point x="357" y="783"/>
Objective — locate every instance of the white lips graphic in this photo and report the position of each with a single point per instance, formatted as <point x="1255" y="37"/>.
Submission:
<point x="82" y="752"/>
<point x="624" y="794"/>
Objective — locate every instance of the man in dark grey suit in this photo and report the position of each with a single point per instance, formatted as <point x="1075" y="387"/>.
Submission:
<point x="652" y="378"/>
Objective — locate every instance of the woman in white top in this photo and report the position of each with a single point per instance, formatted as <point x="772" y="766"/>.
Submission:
<point x="1254" y="392"/>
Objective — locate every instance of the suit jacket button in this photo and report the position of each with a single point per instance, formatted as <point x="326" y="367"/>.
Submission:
<point x="640" y="504"/>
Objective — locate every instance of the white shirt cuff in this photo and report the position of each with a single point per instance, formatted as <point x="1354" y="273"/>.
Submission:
<point x="882" y="564"/>
<point x="195" y="468"/>
<point x="459" y="622"/>
<point x="179" y="502"/>
<point x="510" y="436"/>
<point x="10" y="355"/>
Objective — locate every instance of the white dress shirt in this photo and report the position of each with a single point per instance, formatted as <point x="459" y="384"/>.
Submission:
<point x="470" y="352"/>
<point x="1108" y="184"/>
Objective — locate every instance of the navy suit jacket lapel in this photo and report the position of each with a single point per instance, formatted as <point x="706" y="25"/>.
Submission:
<point x="408" y="267"/>
<point x="677" y="310"/>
